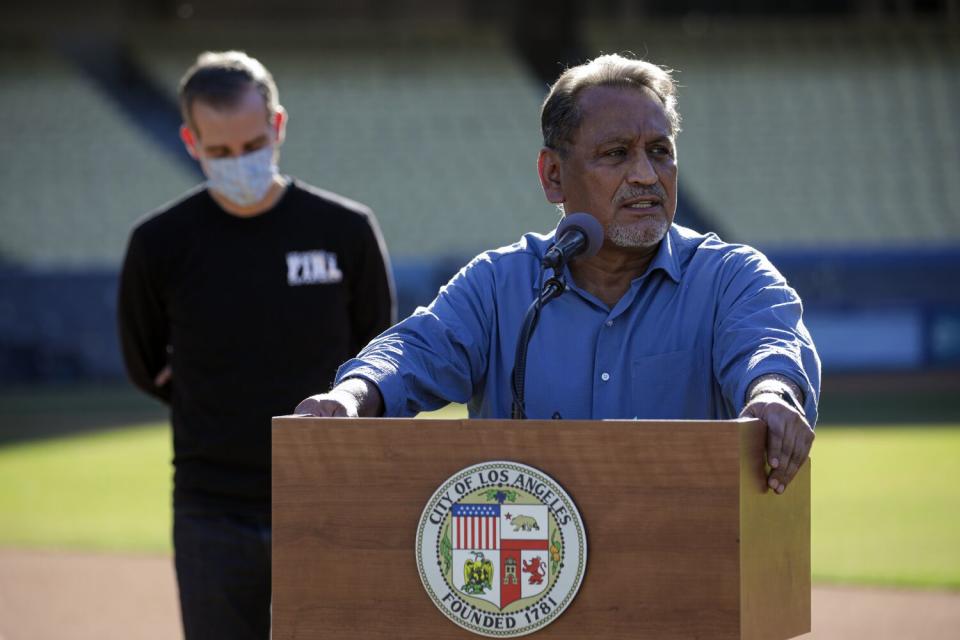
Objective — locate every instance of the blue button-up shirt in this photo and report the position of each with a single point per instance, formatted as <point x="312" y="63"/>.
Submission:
<point x="684" y="342"/>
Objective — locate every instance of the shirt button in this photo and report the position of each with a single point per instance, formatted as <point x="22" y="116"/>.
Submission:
<point x="609" y="323"/>
<point x="604" y="376"/>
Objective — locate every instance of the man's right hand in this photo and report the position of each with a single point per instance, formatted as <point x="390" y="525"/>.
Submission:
<point x="352" y="398"/>
<point x="328" y="405"/>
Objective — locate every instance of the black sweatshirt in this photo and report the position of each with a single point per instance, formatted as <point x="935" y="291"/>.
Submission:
<point x="253" y="314"/>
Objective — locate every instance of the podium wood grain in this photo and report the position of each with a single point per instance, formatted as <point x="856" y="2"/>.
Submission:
<point x="684" y="540"/>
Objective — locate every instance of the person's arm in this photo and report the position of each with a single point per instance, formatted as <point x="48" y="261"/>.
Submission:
<point x="142" y="323"/>
<point x="352" y="398"/>
<point x="765" y="360"/>
<point x="372" y="300"/>
<point x="778" y="402"/>
<point x="436" y="356"/>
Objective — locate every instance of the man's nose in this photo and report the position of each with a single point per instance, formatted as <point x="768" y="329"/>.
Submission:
<point x="641" y="170"/>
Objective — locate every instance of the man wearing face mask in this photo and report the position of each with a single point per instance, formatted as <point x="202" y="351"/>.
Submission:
<point x="237" y="300"/>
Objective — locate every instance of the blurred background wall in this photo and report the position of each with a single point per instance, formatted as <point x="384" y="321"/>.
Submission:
<point x="827" y="134"/>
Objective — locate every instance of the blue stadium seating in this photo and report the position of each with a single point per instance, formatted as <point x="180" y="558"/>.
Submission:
<point x="831" y="146"/>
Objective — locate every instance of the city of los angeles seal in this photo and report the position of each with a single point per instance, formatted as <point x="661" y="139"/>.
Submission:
<point x="501" y="549"/>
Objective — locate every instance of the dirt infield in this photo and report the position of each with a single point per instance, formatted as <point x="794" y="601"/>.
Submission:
<point x="51" y="596"/>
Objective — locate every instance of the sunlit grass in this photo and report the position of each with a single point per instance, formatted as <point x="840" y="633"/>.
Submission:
<point x="105" y="491"/>
<point x="886" y="505"/>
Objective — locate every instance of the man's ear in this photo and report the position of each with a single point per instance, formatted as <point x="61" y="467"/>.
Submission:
<point x="280" y="124"/>
<point x="548" y="166"/>
<point x="189" y="141"/>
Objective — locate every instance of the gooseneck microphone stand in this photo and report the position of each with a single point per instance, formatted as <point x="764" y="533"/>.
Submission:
<point x="549" y="290"/>
<point x="578" y="234"/>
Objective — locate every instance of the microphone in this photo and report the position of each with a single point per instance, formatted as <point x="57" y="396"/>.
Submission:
<point x="578" y="234"/>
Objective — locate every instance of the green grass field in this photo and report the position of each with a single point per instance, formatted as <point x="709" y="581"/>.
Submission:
<point x="886" y="500"/>
<point x="886" y="505"/>
<point x="105" y="491"/>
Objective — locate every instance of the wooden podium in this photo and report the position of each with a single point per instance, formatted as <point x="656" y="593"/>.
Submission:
<point x="684" y="539"/>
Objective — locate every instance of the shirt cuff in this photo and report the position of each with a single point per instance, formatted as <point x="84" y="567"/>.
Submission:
<point x="392" y="390"/>
<point x="783" y="366"/>
<point x="778" y="385"/>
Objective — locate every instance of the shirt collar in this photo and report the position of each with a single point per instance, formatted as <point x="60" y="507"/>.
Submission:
<point x="667" y="258"/>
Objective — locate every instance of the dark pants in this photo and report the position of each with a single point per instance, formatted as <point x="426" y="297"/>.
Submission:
<point x="223" y="572"/>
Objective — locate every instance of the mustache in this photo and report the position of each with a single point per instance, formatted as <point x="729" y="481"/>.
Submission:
<point x="638" y="192"/>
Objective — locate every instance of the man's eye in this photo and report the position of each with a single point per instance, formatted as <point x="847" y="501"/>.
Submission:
<point x="660" y="150"/>
<point x="615" y="153"/>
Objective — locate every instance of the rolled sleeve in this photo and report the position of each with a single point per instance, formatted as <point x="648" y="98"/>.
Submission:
<point x="760" y="331"/>
<point x="380" y="371"/>
<point x="436" y="356"/>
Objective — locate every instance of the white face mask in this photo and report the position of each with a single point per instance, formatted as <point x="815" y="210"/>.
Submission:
<point x="244" y="180"/>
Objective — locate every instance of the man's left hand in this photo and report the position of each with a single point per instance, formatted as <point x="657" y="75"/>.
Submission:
<point x="789" y="437"/>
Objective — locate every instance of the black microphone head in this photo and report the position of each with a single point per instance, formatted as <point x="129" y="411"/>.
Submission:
<point x="588" y="226"/>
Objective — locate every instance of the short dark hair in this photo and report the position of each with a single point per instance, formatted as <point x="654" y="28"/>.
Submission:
<point x="220" y="78"/>
<point x="560" y="115"/>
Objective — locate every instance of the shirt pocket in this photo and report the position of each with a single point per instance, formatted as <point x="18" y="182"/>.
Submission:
<point x="676" y="385"/>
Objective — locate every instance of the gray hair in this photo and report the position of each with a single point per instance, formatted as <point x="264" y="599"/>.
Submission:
<point x="220" y="78"/>
<point x="560" y="115"/>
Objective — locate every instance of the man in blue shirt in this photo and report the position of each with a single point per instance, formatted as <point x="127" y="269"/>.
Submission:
<point x="663" y="322"/>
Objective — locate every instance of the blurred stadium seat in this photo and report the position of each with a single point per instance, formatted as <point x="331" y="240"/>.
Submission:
<point x="833" y="146"/>
<point x="77" y="173"/>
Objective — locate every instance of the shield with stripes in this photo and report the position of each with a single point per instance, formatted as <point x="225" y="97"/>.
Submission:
<point x="510" y="543"/>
